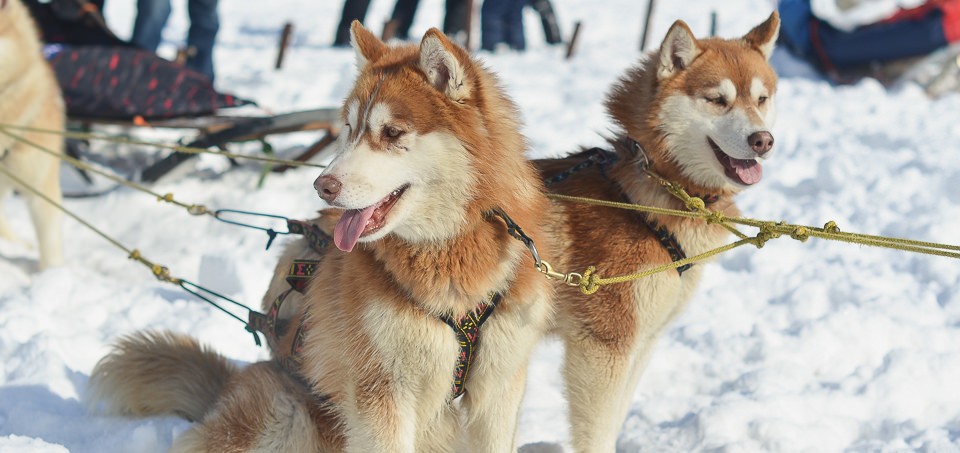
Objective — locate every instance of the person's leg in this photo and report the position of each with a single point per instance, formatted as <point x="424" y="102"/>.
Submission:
<point x="352" y="10"/>
<point x="455" y="17"/>
<point x="551" y="30"/>
<point x="148" y="27"/>
<point x="492" y="30"/>
<point x="204" y="24"/>
<point x="403" y="13"/>
<point x="513" y="17"/>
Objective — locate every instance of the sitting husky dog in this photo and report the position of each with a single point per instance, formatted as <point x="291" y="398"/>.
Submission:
<point x="430" y="297"/>
<point x="30" y="96"/>
<point x="697" y="113"/>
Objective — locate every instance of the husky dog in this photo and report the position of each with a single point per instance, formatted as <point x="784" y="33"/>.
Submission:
<point x="30" y="96"/>
<point x="430" y="162"/>
<point x="697" y="113"/>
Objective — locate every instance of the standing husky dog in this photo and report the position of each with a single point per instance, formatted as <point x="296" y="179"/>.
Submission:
<point x="30" y="96"/>
<point x="697" y="113"/>
<point x="431" y="151"/>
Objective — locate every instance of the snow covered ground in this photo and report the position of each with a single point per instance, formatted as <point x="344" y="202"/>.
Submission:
<point x="796" y="347"/>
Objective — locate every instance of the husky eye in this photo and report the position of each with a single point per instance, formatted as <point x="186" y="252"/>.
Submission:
<point x="717" y="100"/>
<point x="762" y="100"/>
<point x="392" y="132"/>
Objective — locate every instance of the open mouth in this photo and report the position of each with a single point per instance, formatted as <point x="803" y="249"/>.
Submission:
<point x="356" y="223"/>
<point x="743" y="171"/>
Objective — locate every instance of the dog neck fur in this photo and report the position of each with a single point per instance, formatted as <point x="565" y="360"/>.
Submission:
<point x="462" y="114"/>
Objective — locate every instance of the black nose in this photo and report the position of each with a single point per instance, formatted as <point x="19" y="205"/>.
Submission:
<point x="328" y="187"/>
<point x="761" y="142"/>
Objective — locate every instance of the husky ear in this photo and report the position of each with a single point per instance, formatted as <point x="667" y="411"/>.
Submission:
<point x="366" y="46"/>
<point x="440" y="60"/>
<point x="763" y="37"/>
<point x="678" y="50"/>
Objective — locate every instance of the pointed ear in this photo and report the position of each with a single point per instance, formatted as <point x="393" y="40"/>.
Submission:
<point x="763" y="37"/>
<point x="678" y="50"/>
<point x="444" y="65"/>
<point x="366" y="46"/>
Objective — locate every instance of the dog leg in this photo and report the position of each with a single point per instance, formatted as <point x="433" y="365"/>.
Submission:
<point x="384" y="423"/>
<point x="48" y="222"/>
<point x="494" y="410"/>
<point x="5" y="231"/>
<point x="596" y="376"/>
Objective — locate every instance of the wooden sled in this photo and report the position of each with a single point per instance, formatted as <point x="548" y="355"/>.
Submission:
<point x="219" y="130"/>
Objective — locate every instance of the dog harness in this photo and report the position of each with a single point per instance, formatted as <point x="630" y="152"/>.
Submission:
<point x="289" y="348"/>
<point x="604" y="158"/>
<point x="467" y="329"/>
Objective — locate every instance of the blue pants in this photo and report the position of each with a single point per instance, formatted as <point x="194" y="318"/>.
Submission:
<point x="501" y="21"/>
<point x="152" y="16"/>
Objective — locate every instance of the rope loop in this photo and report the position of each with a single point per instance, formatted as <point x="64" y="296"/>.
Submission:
<point x="590" y="283"/>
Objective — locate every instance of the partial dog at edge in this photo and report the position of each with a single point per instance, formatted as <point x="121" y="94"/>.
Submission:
<point x="30" y="97"/>
<point x="431" y="147"/>
<point x="698" y="113"/>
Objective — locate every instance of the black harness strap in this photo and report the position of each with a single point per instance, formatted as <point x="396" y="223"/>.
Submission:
<point x="593" y="156"/>
<point x="668" y="241"/>
<point x="467" y="329"/>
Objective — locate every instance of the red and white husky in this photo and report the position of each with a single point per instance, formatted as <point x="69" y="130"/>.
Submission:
<point x="698" y="113"/>
<point x="431" y="149"/>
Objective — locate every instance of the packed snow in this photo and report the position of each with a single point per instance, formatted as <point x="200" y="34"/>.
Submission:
<point x="814" y="346"/>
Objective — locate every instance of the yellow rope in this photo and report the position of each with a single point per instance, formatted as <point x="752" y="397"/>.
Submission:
<point x="161" y="272"/>
<point x="592" y="281"/>
<point x="178" y="148"/>
<point x="193" y="209"/>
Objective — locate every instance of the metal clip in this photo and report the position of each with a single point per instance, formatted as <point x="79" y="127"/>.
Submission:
<point x="570" y="279"/>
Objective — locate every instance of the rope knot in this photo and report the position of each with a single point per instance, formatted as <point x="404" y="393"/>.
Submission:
<point x="161" y="272"/>
<point x="696" y="204"/>
<point x="800" y="233"/>
<point x="716" y="217"/>
<point x="765" y="234"/>
<point x="197" y="209"/>
<point x="831" y="227"/>
<point x="590" y="283"/>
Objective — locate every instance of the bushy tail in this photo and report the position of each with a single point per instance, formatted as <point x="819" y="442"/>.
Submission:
<point x="159" y="373"/>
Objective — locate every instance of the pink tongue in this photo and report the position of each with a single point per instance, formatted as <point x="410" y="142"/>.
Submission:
<point x="747" y="171"/>
<point x="351" y="226"/>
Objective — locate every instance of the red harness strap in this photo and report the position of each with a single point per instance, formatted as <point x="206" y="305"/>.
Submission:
<point x="467" y="329"/>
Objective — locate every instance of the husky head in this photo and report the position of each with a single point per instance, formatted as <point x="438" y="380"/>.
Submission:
<point x="414" y="123"/>
<point x="709" y="102"/>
